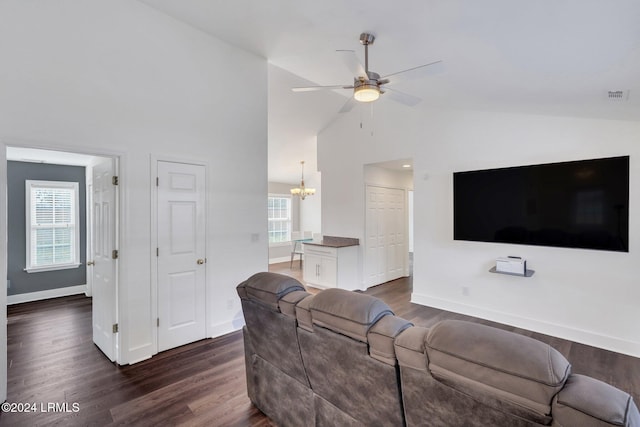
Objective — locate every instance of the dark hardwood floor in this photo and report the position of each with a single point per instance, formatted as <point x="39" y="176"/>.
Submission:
<point x="52" y="359"/>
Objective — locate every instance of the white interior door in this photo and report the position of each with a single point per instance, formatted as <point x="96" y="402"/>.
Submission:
<point x="104" y="265"/>
<point x="181" y="254"/>
<point x="385" y="235"/>
<point x="396" y="225"/>
<point x="375" y="261"/>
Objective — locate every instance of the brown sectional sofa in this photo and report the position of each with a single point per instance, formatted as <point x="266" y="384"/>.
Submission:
<point x="342" y="358"/>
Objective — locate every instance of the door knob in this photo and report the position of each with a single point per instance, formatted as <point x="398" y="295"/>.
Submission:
<point x="200" y="261"/>
<point x="90" y="263"/>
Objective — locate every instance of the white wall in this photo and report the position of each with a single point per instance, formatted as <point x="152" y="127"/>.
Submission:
<point x="121" y="78"/>
<point x="583" y="295"/>
<point x="382" y="177"/>
<point x="311" y="206"/>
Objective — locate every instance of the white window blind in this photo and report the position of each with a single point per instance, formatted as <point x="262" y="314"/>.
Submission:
<point x="52" y="225"/>
<point x="279" y="216"/>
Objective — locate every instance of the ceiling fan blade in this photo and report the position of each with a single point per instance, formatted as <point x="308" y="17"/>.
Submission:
<point x="352" y="62"/>
<point x="415" y="72"/>
<point x="348" y="106"/>
<point x="401" y="97"/>
<point x="312" y="88"/>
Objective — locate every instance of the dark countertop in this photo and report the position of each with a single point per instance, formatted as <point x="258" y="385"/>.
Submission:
<point x="335" y="242"/>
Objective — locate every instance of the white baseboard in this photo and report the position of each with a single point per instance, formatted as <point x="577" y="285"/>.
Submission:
<point x="569" y="333"/>
<point x="225" y="328"/>
<point x="137" y="354"/>
<point x="51" y="293"/>
<point x="282" y="259"/>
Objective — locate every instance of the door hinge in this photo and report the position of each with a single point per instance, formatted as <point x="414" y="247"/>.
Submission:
<point x="157" y="251"/>
<point x="114" y="328"/>
<point x="158" y="322"/>
<point x="114" y="254"/>
<point x="114" y="180"/>
<point x="157" y="182"/>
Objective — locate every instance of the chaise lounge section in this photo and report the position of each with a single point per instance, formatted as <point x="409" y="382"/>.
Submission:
<point x="342" y="358"/>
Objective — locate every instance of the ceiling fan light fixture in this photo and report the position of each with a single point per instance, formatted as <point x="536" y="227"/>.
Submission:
<point x="366" y="92"/>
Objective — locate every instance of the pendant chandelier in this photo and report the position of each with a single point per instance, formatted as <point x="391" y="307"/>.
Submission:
<point x="302" y="191"/>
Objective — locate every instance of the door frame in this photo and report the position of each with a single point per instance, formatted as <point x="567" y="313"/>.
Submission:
<point x="153" y="221"/>
<point x="120" y="160"/>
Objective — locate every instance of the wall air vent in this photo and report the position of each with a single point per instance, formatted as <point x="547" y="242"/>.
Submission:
<point x="618" y="95"/>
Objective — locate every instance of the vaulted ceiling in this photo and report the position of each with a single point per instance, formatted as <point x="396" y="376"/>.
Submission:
<point x="541" y="57"/>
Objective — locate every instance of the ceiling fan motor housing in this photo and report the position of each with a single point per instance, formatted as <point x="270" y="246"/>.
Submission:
<point x="366" y="38"/>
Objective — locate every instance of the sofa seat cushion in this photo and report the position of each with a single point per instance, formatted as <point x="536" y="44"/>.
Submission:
<point x="479" y="358"/>
<point x="268" y="288"/>
<point x="348" y="313"/>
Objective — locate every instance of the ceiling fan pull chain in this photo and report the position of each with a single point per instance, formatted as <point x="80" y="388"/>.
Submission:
<point x="373" y="122"/>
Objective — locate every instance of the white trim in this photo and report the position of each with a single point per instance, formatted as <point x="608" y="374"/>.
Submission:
<point x="281" y="259"/>
<point x="52" y="268"/>
<point x="280" y="244"/>
<point x="226" y="327"/>
<point x="289" y="220"/>
<point x="3" y="272"/>
<point x="50" y="293"/>
<point x="607" y="342"/>
<point x="74" y="187"/>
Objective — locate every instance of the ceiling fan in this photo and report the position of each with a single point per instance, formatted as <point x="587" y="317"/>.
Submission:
<point x="367" y="85"/>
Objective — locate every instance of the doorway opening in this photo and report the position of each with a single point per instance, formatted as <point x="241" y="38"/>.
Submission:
<point x="84" y="229"/>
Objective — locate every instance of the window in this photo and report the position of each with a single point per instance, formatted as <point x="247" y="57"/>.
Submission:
<point x="279" y="211"/>
<point x="53" y="235"/>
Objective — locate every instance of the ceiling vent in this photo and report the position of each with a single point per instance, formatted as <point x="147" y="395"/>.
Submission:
<point x="618" y="95"/>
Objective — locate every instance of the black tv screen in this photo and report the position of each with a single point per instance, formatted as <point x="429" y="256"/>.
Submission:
<point x="581" y="204"/>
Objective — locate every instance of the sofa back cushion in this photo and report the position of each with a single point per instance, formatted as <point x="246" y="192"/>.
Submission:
<point x="348" y="313"/>
<point x="336" y="352"/>
<point x="268" y="288"/>
<point x="482" y="360"/>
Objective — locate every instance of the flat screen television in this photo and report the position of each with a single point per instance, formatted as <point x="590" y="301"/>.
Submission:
<point x="580" y="204"/>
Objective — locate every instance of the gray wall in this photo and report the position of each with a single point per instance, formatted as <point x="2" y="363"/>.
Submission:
<point x="21" y="281"/>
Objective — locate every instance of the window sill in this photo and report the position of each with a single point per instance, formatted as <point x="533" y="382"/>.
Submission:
<point x="51" y="268"/>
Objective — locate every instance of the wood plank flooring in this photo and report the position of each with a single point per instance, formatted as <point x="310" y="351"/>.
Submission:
<point x="52" y="359"/>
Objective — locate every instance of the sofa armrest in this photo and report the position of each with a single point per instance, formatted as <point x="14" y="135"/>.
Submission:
<point x="585" y="401"/>
<point x="288" y="302"/>
<point x="381" y="337"/>
<point x="303" y="313"/>
<point x="410" y="347"/>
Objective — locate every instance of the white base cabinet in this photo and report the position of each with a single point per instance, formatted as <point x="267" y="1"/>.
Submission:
<point x="330" y="267"/>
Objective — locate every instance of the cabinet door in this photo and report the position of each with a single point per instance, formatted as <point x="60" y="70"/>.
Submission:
<point x="329" y="272"/>
<point x="310" y="268"/>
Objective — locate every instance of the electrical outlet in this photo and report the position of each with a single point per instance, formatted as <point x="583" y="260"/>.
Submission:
<point x="465" y="291"/>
